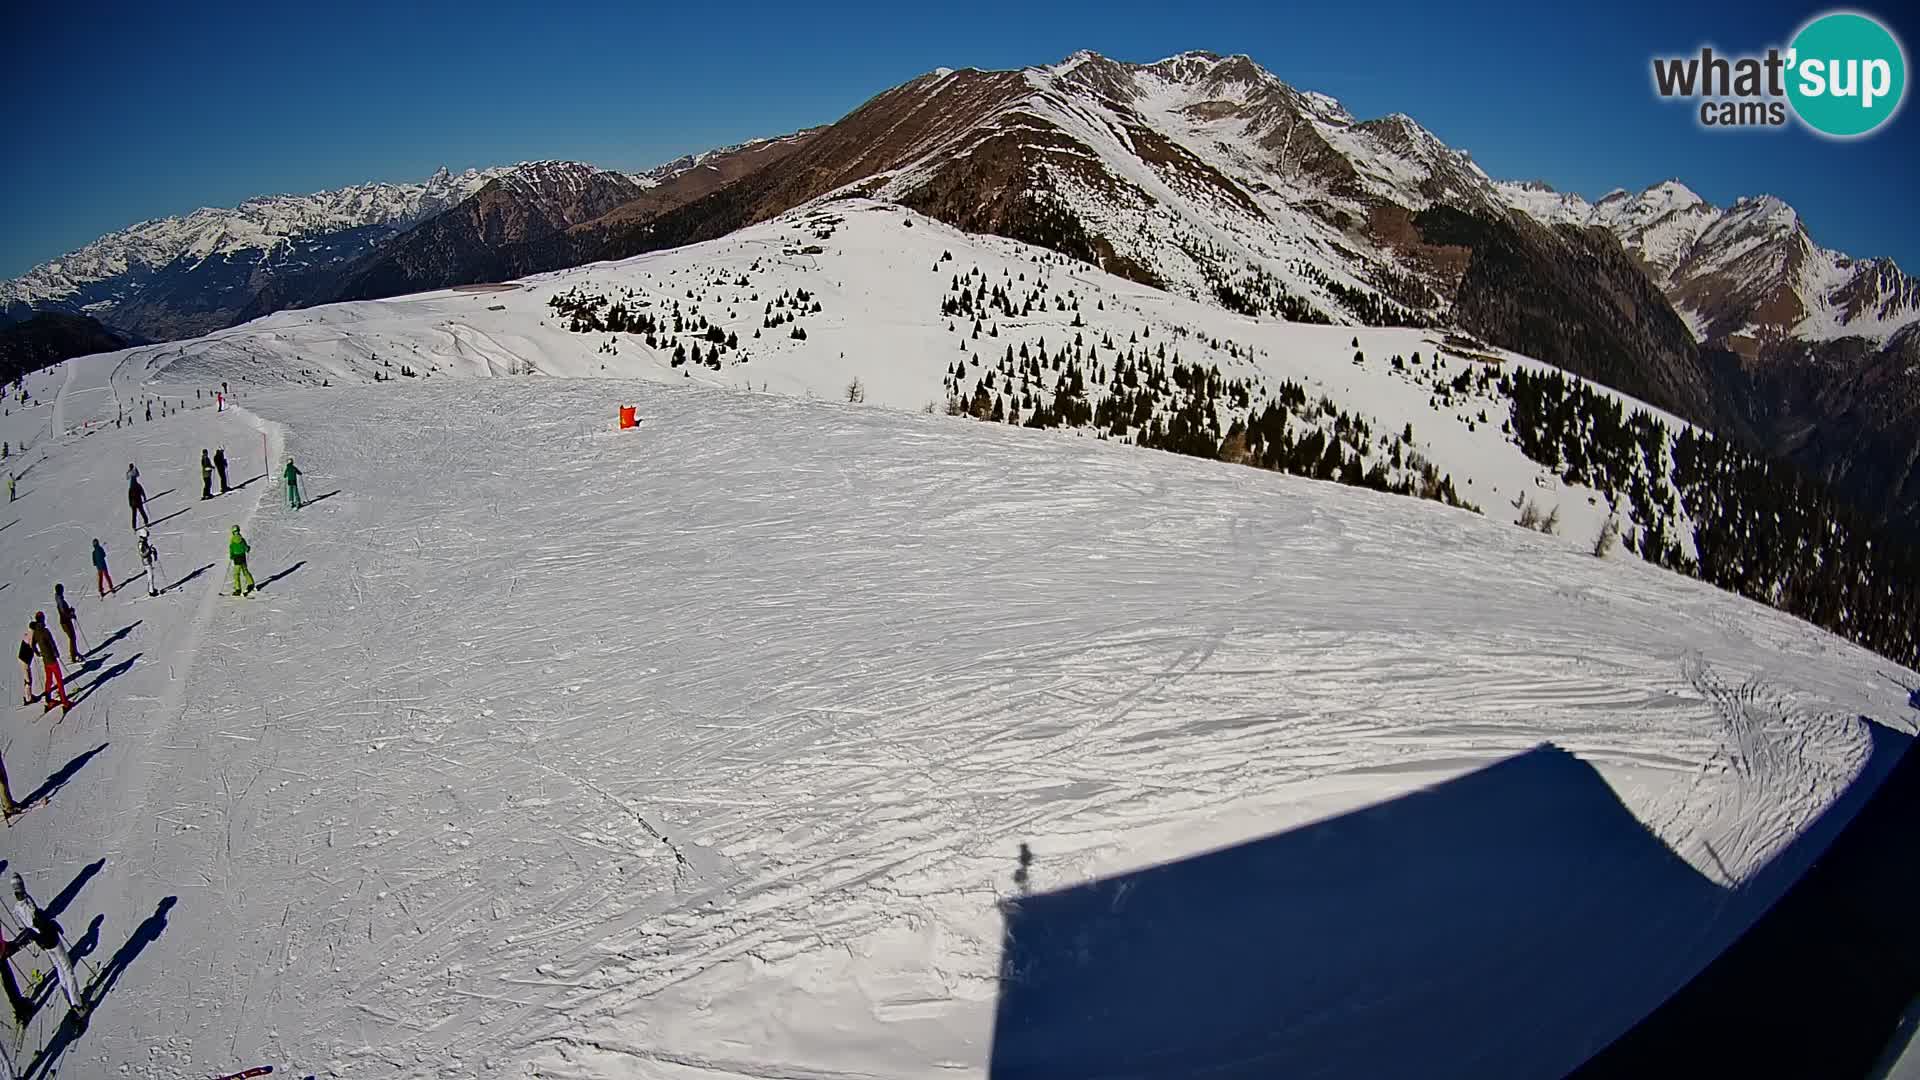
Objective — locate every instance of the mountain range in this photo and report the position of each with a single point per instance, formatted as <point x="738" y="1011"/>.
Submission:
<point x="1201" y="174"/>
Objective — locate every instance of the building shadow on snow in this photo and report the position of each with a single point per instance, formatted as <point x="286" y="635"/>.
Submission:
<point x="1510" y="922"/>
<point x="1819" y="985"/>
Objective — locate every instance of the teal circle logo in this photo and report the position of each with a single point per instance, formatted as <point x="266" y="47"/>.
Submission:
<point x="1848" y="74"/>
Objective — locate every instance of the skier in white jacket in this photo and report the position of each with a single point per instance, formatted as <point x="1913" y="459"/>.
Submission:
<point x="37" y="926"/>
<point x="150" y="556"/>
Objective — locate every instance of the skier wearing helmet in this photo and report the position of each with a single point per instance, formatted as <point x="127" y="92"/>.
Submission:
<point x="237" y="549"/>
<point x="150" y="558"/>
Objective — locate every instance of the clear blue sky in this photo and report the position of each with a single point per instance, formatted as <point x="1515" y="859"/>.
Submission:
<point x="117" y="113"/>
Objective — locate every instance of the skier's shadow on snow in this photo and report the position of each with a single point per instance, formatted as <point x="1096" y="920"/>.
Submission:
<point x="159" y="521"/>
<point x="114" y="638"/>
<point x="107" y="676"/>
<point x="184" y="580"/>
<point x="162" y="495"/>
<point x="66" y="896"/>
<point x="320" y="498"/>
<point x="88" y="943"/>
<point x="247" y="481"/>
<point x="282" y="574"/>
<point x="1521" y="906"/>
<point x="52" y="784"/>
<point x="96" y="991"/>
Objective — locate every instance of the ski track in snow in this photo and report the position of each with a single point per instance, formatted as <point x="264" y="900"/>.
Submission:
<point x="709" y="749"/>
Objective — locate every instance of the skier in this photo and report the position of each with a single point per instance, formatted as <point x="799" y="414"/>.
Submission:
<point x="220" y="466"/>
<point x="150" y="558"/>
<point x="237" y="550"/>
<point x="136" y="500"/>
<point x="26" y="664"/>
<point x="206" y="475"/>
<point x="39" y="928"/>
<point x="293" y="485"/>
<point x="49" y="652"/>
<point x="69" y="622"/>
<point x="8" y="807"/>
<point x="220" y="402"/>
<point x="10" y="482"/>
<point x="100" y="564"/>
<point x="149" y="410"/>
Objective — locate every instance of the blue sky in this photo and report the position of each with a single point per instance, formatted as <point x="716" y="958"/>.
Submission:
<point x="119" y="113"/>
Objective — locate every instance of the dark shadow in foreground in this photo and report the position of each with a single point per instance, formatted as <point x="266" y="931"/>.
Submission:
<point x="1509" y="922"/>
<point x="1818" y="986"/>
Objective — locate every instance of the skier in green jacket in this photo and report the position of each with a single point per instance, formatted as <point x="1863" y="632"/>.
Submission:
<point x="293" y="485"/>
<point x="237" y="550"/>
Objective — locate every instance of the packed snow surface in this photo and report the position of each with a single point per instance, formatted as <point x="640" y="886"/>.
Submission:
<point x="798" y="738"/>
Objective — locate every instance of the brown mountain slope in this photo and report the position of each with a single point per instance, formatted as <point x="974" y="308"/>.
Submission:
<point x="1206" y="175"/>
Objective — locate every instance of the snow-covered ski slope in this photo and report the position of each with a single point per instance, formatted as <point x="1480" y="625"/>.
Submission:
<point x="880" y="274"/>
<point x="797" y="738"/>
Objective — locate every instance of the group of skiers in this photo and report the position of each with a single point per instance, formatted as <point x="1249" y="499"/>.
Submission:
<point x="208" y="467"/>
<point x="36" y="929"/>
<point x="39" y="643"/>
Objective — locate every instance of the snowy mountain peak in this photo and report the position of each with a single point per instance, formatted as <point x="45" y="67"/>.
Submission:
<point x="1744" y="276"/>
<point x="1764" y="210"/>
<point x="1075" y="61"/>
<point x="1540" y="201"/>
<point x="257" y="225"/>
<point x="548" y="177"/>
<point x="1673" y="193"/>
